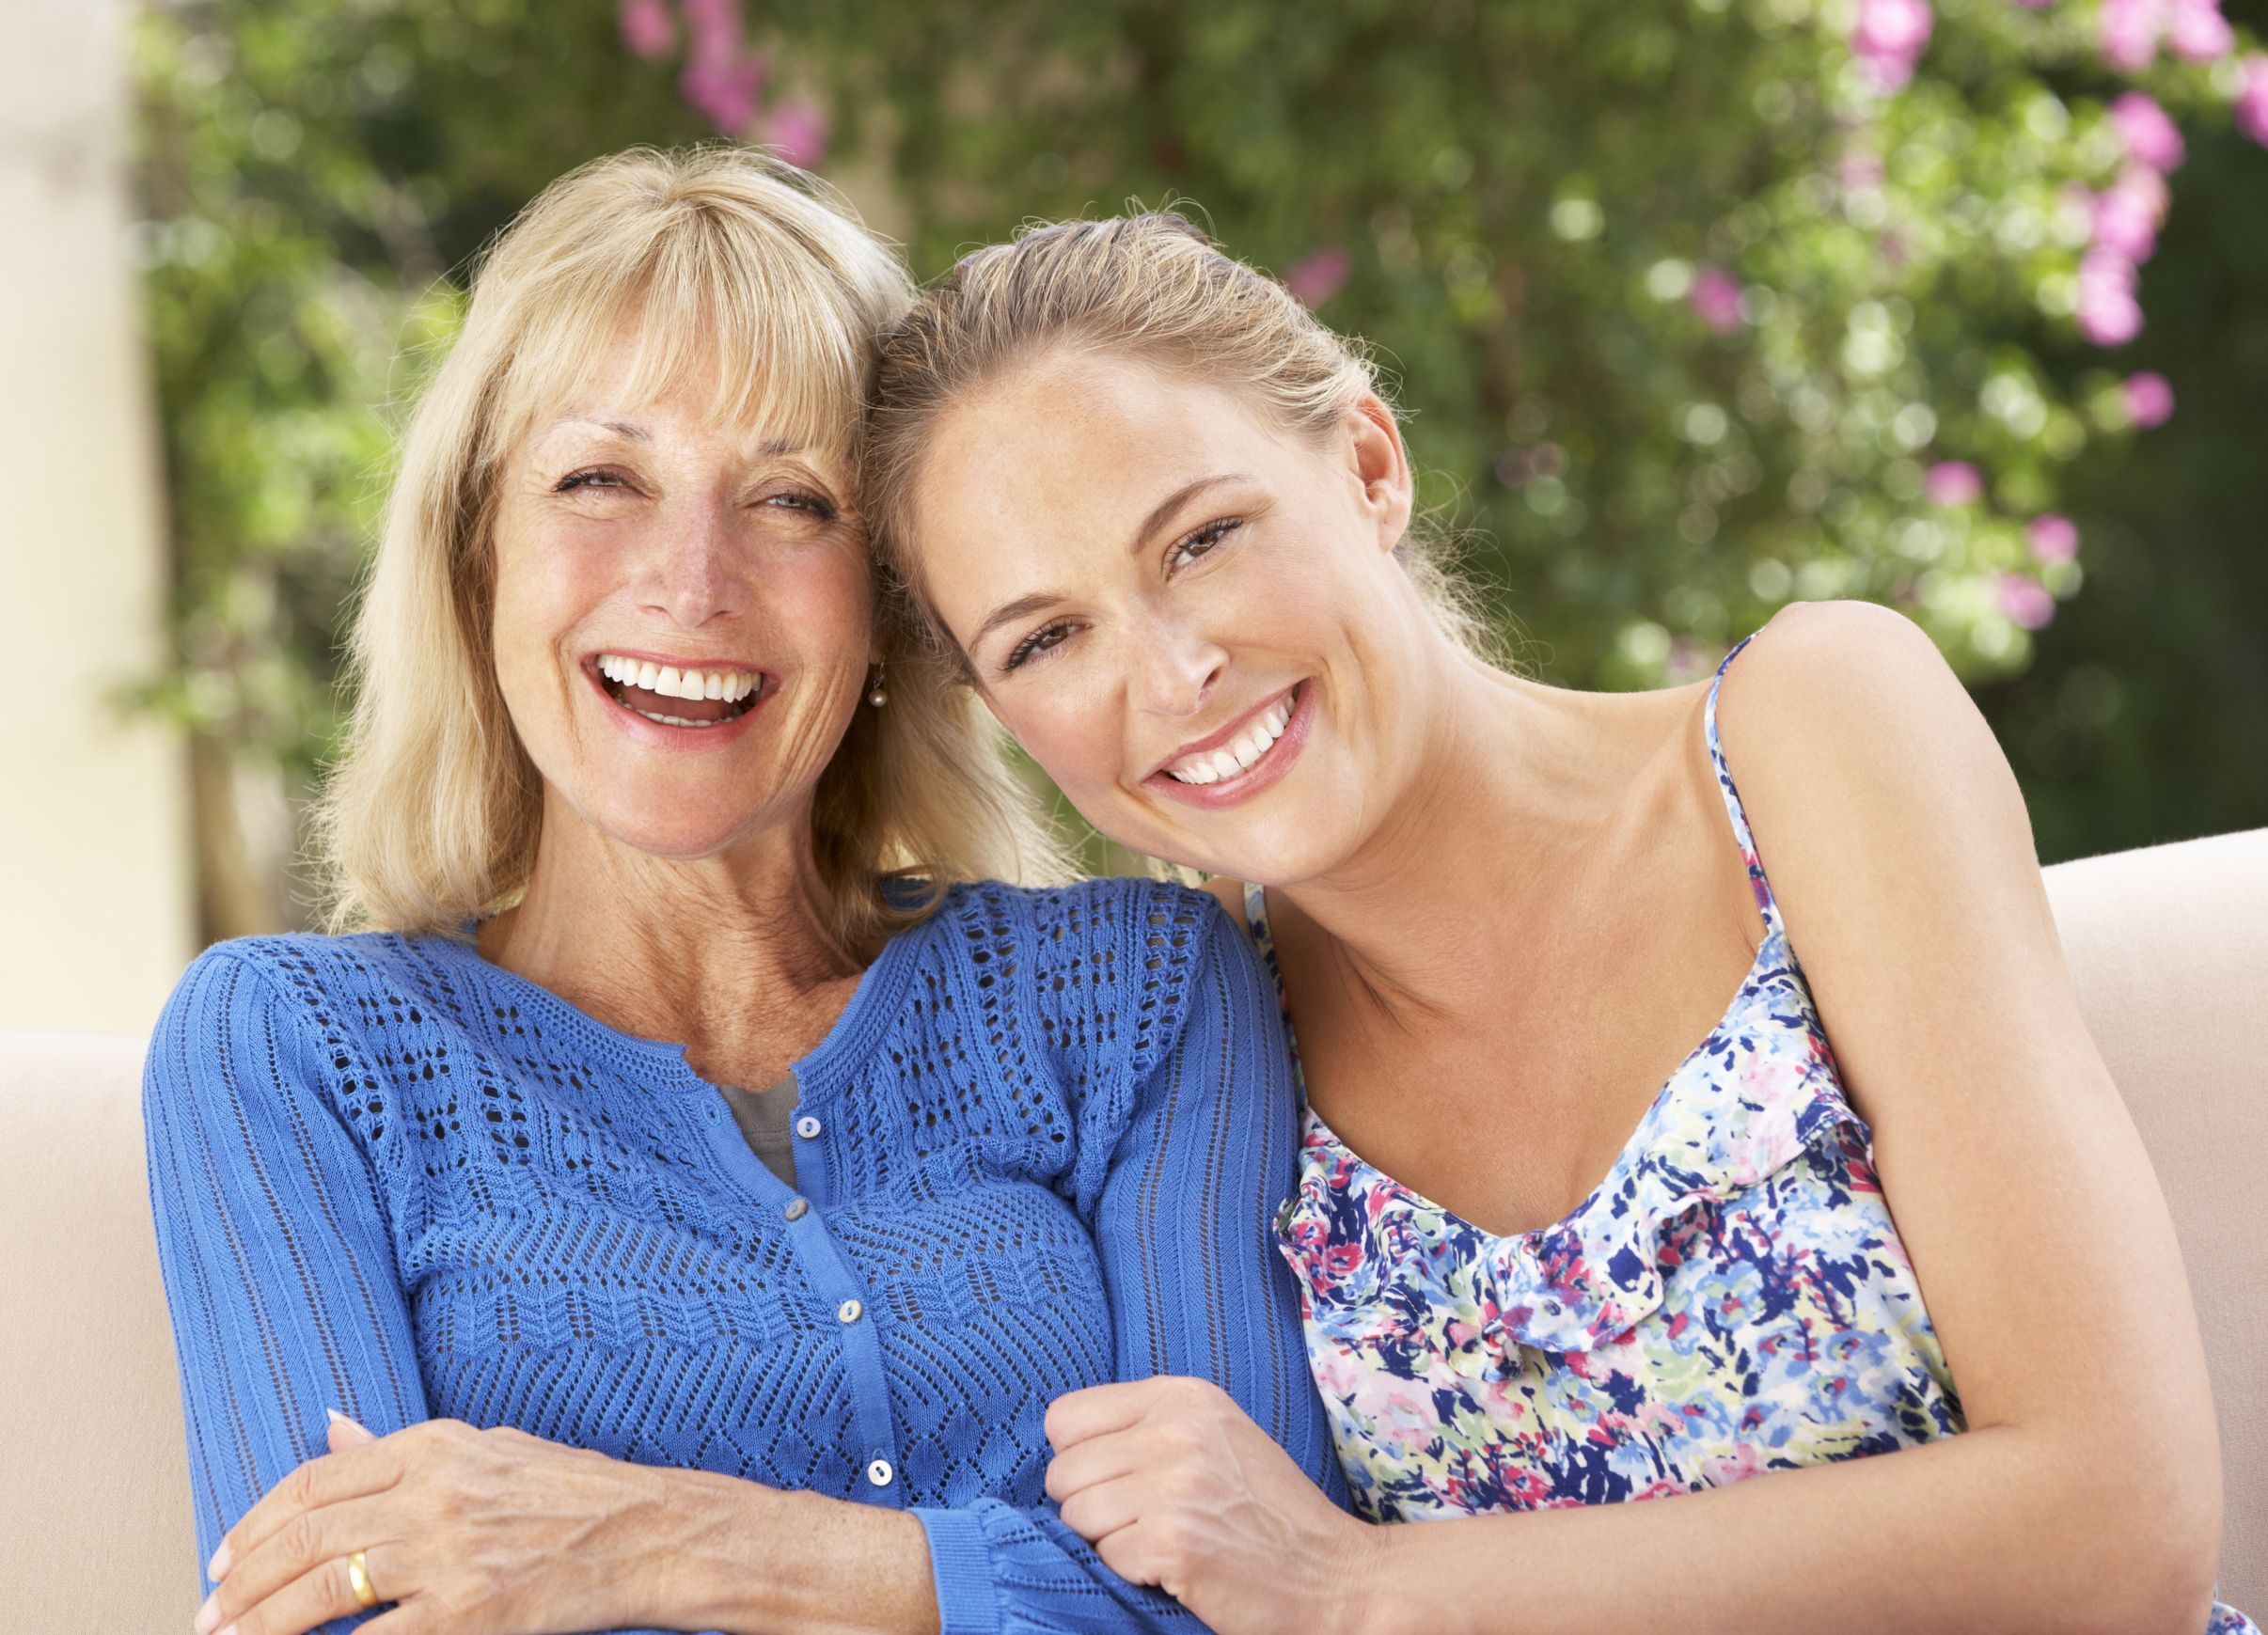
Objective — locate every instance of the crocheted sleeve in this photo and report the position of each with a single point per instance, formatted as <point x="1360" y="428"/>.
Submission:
<point x="272" y="1233"/>
<point x="1186" y="1137"/>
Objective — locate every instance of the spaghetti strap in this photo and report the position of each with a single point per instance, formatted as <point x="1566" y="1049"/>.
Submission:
<point x="1256" y="919"/>
<point x="1766" y="905"/>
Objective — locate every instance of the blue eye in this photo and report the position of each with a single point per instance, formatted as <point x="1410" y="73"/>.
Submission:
<point x="590" y="478"/>
<point x="795" y="500"/>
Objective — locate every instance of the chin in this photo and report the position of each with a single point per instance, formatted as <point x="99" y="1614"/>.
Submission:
<point x="668" y="827"/>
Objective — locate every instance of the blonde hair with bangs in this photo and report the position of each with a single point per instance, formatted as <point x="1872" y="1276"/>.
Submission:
<point x="1152" y="288"/>
<point x="715" y="260"/>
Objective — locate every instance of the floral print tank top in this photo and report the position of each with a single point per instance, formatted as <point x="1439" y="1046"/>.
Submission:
<point x="1733" y="1298"/>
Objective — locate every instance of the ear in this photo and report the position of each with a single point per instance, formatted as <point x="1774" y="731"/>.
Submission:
<point x="1380" y="466"/>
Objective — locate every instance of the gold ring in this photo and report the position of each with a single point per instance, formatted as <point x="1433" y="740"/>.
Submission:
<point x="358" y="1574"/>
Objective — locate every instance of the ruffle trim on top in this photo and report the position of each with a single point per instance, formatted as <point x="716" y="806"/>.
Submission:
<point x="1379" y="1260"/>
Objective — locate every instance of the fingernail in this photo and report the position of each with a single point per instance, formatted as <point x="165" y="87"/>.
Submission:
<point x="217" y="1568"/>
<point x="206" y="1615"/>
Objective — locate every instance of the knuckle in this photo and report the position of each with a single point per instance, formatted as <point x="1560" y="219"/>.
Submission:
<point x="301" y="1539"/>
<point x="1185" y="1441"/>
<point x="1178" y="1539"/>
<point x="298" y="1488"/>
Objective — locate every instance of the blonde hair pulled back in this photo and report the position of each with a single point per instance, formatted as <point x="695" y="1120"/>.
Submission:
<point x="717" y="267"/>
<point x="1152" y="288"/>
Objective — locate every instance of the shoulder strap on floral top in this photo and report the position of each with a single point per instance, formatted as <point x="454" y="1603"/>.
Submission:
<point x="1765" y="904"/>
<point x="1256" y="919"/>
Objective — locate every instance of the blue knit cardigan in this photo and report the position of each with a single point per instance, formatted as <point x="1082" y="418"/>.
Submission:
<point x="1040" y="1150"/>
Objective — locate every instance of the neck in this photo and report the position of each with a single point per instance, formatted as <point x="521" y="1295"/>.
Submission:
<point x="731" y="955"/>
<point x="1508" y="788"/>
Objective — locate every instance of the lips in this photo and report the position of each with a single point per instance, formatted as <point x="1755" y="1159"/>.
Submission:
<point x="675" y="700"/>
<point x="1241" y="759"/>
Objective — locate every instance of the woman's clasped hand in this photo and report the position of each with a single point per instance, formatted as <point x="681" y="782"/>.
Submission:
<point x="470" y="1531"/>
<point x="1176" y="1487"/>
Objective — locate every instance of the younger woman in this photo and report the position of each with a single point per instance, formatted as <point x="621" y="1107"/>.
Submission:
<point x="1573" y="1227"/>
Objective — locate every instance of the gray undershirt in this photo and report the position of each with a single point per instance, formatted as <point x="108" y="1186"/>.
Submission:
<point x="765" y="1118"/>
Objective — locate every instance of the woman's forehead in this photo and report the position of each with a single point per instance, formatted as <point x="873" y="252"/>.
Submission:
<point x="644" y="368"/>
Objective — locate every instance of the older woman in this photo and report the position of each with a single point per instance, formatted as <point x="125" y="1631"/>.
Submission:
<point x="664" y="855"/>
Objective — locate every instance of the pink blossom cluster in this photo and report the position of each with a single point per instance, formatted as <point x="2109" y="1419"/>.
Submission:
<point x="2127" y="216"/>
<point x="2025" y="600"/>
<point x="1716" y="299"/>
<point x="1954" y="483"/>
<point x="2148" y="396"/>
<point x="1316" y="277"/>
<point x="2052" y="537"/>
<point x="1888" y="38"/>
<point x="2252" y="99"/>
<point x="724" y="79"/>
<point x="2131" y="31"/>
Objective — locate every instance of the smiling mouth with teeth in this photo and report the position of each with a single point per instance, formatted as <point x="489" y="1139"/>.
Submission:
<point x="670" y="696"/>
<point x="1241" y="753"/>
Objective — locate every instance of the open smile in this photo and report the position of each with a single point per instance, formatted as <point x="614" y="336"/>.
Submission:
<point x="682" y="699"/>
<point x="1241" y="759"/>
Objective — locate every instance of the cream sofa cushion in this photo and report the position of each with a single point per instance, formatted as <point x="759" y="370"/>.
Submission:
<point x="2168" y="947"/>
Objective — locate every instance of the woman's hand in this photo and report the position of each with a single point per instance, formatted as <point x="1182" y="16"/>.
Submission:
<point x="1174" y="1486"/>
<point x="469" y="1532"/>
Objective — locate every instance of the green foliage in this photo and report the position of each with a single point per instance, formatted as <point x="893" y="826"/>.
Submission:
<point x="1532" y="202"/>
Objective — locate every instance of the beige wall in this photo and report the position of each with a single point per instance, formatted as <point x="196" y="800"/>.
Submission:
<point x="95" y="897"/>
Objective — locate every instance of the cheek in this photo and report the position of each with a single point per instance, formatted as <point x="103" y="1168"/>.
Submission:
<point x="1070" y="723"/>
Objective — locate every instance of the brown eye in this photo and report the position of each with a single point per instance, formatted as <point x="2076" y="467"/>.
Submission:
<point x="1041" y="642"/>
<point x="1195" y="547"/>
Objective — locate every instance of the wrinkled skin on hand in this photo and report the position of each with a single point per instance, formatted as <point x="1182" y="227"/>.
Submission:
<point x="464" y="1530"/>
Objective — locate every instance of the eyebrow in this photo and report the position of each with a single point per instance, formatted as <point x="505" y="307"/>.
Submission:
<point x="1009" y="612"/>
<point x="1174" y="501"/>
<point x="1023" y="607"/>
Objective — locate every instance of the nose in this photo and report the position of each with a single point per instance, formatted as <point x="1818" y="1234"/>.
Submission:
<point x="697" y="571"/>
<point x="1176" y="669"/>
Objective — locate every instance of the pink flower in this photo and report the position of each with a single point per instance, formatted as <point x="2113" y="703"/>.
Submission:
<point x="2149" y="134"/>
<point x="1952" y="482"/>
<point x="716" y="27"/>
<point x="2149" y="398"/>
<point x="799" y="131"/>
<point x="2106" y="310"/>
<point x="2127" y="216"/>
<point x="2025" y="600"/>
<point x="1716" y="297"/>
<point x="720" y="80"/>
<point x="2198" y="31"/>
<point x="727" y="92"/>
<point x="647" y="27"/>
<point x="2128" y="32"/>
<point x="1889" y="35"/>
<point x="1319" y="276"/>
<point x="1859" y="170"/>
<point x="2252" y="100"/>
<point x="2053" y="538"/>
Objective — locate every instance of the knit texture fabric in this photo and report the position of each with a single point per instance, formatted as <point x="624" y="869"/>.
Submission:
<point x="1040" y="1150"/>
